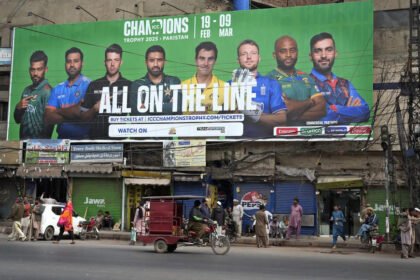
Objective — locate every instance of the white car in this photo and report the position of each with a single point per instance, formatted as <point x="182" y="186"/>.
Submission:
<point x="49" y="221"/>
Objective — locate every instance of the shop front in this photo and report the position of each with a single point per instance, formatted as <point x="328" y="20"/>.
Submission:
<point x="9" y="190"/>
<point x="376" y="198"/>
<point x="278" y="198"/>
<point x="221" y="190"/>
<point x="44" y="179"/>
<point x="347" y="193"/>
<point x="190" y="188"/>
<point x="10" y="186"/>
<point x="284" y="194"/>
<point x="251" y="195"/>
<point x="93" y="195"/>
<point x="139" y="184"/>
<point x="215" y="190"/>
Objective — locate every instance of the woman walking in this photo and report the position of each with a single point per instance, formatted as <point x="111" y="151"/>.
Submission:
<point x="65" y="222"/>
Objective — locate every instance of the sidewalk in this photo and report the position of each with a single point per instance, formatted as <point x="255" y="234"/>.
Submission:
<point x="304" y="241"/>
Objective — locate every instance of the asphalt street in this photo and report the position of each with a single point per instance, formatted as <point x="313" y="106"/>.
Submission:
<point x="109" y="259"/>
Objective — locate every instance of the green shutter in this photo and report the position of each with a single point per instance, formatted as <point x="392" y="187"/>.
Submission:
<point x="376" y="199"/>
<point x="94" y="194"/>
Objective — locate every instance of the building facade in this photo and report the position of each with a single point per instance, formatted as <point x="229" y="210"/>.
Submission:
<point x="319" y="173"/>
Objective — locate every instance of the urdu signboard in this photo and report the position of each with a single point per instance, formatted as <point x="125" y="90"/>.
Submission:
<point x="97" y="153"/>
<point x="219" y="76"/>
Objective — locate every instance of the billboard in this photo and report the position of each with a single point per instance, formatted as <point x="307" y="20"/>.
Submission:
<point x="282" y="74"/>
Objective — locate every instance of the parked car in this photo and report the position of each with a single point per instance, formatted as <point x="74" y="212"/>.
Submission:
<point x="50" y="216"/>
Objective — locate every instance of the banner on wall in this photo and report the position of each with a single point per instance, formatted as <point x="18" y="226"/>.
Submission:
<point x="184" y="153"/>
<point x="217" y="76"/>
<point x="47" y="151"/>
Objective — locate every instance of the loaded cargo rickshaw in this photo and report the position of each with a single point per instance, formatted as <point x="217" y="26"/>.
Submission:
<point x="167" y="228"/>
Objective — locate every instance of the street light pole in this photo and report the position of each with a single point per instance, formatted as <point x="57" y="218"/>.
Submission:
<point x="78" y="7"/>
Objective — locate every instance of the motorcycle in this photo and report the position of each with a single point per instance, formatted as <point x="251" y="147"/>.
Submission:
<point x="231" y="231"/>
<point x="89" y="229"/>
<point x="370" y="239"/>
<point x="219" y="244"/>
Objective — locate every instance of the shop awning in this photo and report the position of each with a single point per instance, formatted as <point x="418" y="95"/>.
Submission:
<point x="339" y="182"/>
<point x="40" y="171"/>
<point x="147" y="181"/>
<point x="89" y="168"/>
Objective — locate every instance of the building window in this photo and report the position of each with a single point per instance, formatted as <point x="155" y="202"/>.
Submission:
<point x="3" y="111"/>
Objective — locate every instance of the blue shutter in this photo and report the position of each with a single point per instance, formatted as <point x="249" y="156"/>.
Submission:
<point x="188" y="188"/>
<point x="285" y="193"/>
<point x="261" y="188"/>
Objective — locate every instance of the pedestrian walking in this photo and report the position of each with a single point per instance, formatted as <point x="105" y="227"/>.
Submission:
<point x="338" y="220"/>
<point x="404" y="225"/>
<point x="417" y="230"/>
<point x="65" y="222"/>
<point x="138" y="221"/>
<point x="36" y="220"/>
<point x="261" y="225"/>
<point x="237" y="214"/>
<point x="295" y="223"/>
<point x="16" y="216"/>
<point x="218" y="215"/>
<point x="414" y="220"/>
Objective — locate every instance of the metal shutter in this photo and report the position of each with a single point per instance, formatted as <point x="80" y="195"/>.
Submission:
<point x="96" y="188"/>
<point x="261" y="188"/>
<point x="287" y="191"/>
<point x="376" y="198"/>
<point x="188" y="188"/>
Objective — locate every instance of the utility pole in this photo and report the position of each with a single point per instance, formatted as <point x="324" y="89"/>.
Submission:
<point x="389" y="173"/>
<point x="409" y="125"/>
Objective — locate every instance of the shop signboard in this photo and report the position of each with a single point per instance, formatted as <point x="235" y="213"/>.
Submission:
<point x="97" y="153"/>
<point x="47" y="151"/>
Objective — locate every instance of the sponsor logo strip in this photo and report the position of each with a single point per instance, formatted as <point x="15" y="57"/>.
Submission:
<point x="317" y="130"/>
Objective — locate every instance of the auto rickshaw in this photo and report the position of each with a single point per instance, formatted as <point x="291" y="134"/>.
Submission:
<point x="167" y="228"/>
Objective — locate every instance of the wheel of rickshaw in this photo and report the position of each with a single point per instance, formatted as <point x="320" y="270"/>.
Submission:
<point x="220" y="245"/>
<point x="161" y="246"/>
<point x="172" y="248"/>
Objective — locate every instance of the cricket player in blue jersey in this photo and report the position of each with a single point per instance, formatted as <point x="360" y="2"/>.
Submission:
<point x="344" y="104"/>
<point x="63" y="105"/>
<point x="271" y="109"/>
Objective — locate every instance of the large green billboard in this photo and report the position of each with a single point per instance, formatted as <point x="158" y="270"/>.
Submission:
<point x="287" y="73"/>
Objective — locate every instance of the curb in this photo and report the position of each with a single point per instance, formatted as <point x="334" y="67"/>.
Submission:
<point x="247" y="241"/>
